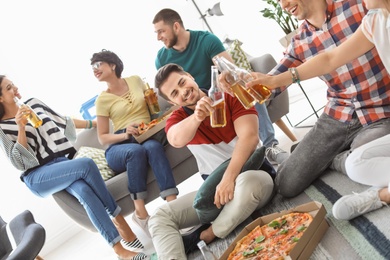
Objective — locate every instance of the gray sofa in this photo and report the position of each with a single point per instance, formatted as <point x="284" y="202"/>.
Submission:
<point x="182" y="162"/>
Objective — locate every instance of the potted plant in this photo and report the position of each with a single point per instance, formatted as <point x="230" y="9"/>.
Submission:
<point x="286" y="21"/>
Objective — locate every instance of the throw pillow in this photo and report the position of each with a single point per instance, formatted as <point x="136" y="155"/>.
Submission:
<point x="204" y="198"/>
<point x="238" y="55"/>
<point x="98" y="156"/>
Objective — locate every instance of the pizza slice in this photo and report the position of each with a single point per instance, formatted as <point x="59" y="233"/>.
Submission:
<point x="143" y="127"/>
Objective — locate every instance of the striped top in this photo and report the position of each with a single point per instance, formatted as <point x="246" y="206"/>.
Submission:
<point x="212" y="146"/>
<point x="45" y="143"/>
<point x="361" y="86"/>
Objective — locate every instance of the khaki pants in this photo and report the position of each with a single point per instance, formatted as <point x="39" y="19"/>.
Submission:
<point x="252" y="191"/>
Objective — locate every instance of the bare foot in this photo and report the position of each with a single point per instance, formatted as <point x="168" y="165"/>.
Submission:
<point x="123" y="228"/>
<point x="207" y="235"/>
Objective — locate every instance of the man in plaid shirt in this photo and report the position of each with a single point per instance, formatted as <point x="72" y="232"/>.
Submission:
<point x="358" y="108"/>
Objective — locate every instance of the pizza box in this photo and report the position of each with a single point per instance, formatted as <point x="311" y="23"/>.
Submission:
<point x="160" y="125"/>
<point x="309" y="240"/>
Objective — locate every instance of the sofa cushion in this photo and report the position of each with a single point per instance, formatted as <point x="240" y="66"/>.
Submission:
<point x="98" y="156"/>
<point x="238" y="55"/>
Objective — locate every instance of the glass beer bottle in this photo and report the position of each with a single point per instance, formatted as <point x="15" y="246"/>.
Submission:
<point x="32" y="117"/>
<point x="151" y="99"/>
<point x="218" y="116"/>
<point x="206" y="252"/>
<point x="246" y="99"/>
<point x="260" y="92"/>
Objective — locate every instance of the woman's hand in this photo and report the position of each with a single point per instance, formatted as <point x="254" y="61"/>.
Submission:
<point x="132" y="129"/>
<point x="21" y="116"/>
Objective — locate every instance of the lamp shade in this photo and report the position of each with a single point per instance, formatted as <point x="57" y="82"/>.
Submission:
<point x="215" y="10"/>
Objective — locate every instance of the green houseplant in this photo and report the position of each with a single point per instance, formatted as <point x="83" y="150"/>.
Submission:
<point x="282" y="18"/>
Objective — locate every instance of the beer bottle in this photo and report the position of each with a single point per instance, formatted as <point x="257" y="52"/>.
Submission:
<point x="151" y="99"/>
<point x="237" y="85"/>
<point x="260" y="92"/>
<point x="206" y="252"/>
<point x="31" y="116"/>
<point x="218" y="116"/>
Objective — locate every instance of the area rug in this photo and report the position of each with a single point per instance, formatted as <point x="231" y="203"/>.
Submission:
<point x="365" y="237"/>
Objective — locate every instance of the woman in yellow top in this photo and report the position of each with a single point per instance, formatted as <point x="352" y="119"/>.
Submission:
<point x="123" y="104"/>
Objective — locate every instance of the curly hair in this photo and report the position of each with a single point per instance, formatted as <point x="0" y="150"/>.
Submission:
<point x="110" y="58"/>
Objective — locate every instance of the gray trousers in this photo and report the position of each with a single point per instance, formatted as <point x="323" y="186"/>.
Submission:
<point x="252" y="191"/>
<point x="328" y="143"/>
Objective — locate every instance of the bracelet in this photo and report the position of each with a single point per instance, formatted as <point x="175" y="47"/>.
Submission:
<point x="295" y="75"/>
<point x="88" y="124"/>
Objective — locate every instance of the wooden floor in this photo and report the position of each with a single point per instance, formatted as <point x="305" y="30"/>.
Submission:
<point x="87" y="245"/>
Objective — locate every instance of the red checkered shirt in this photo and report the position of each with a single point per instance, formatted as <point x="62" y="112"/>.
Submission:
<point x="361" y="86"/>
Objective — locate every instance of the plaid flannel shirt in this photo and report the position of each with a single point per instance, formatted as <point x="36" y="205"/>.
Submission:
<point x="361" y="86"/>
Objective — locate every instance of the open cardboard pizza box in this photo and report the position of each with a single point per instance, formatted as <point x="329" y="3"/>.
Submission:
<point x="306" y="244"/>
<point x="160" y="125"/>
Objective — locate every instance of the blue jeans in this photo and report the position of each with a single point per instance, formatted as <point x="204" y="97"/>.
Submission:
<point x="81" y="178"/>
<point x="266" y="129"/>
<point x="328" y="143"/>
<point x="135" y="158"/>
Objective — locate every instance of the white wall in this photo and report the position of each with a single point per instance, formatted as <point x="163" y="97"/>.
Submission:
<point x="45" y="47"/>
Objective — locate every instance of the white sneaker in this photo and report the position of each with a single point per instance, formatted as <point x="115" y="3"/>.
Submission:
<point x="142" y="223"/>
<point x="275" y="154"/>
<point x="356" y="204"/>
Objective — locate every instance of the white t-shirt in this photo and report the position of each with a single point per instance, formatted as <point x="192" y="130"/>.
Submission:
<point x="376" y="27"/>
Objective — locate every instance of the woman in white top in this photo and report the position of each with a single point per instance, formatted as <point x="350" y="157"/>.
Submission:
<point x="368" y="164"/>
<point x="45" y="157"/>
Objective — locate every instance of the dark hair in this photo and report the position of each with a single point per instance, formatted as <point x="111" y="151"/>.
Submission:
<point x="163" y="74"/>
<point x="2" y="110"/>
<point x="110" y="58"/>
<point x="168" y="16"/>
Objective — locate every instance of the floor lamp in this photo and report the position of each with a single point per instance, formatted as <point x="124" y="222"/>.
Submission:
<point x="215" y="10"/>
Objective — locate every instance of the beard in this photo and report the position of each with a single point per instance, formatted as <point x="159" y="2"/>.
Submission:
<point x="172" y="42"/>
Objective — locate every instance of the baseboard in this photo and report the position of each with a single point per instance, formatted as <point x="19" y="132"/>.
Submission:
<point x="56" y="240"/>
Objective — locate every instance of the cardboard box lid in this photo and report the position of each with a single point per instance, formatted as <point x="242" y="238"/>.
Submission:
<point x="314" y="208"/>
<point x="314" y="240"/>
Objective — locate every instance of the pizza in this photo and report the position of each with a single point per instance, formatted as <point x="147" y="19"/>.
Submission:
<point x="274" y="240"/>
<point x="143" y="127"/>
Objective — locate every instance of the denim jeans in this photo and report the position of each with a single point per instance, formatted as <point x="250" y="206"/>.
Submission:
<point x="135" y="158"/>
<point x="328" y="143"/>
<point x="266" y="129"/>
<point x="81" y="178"/>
